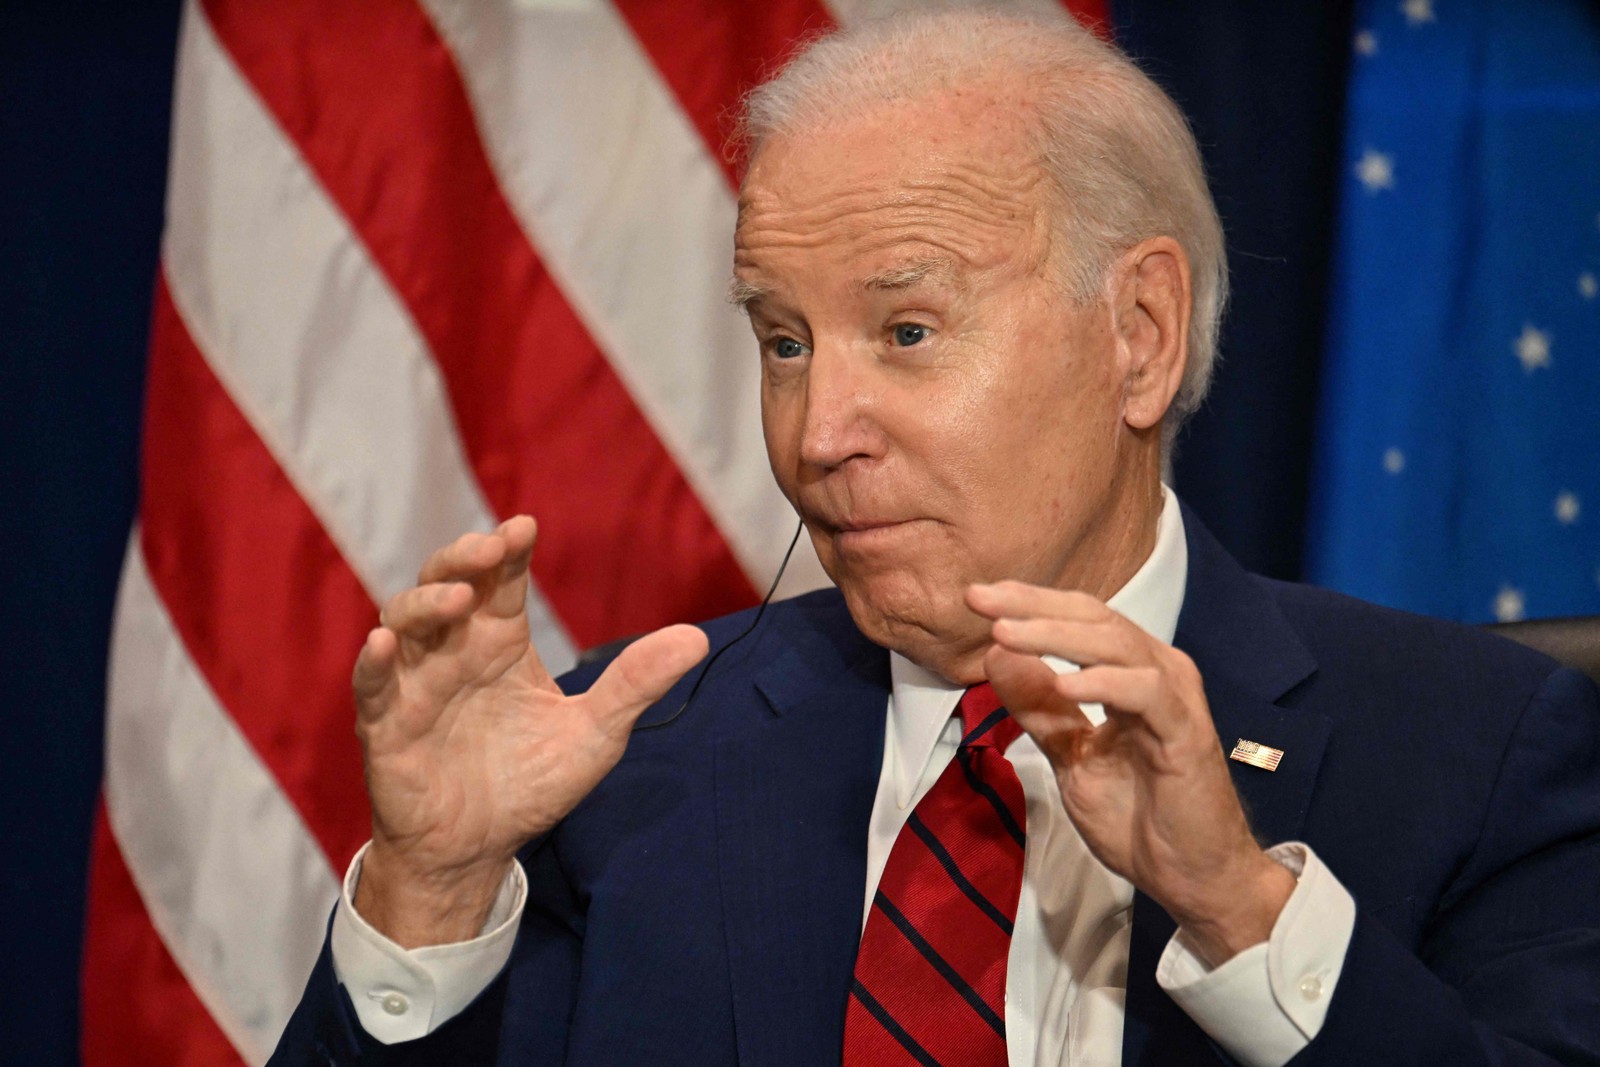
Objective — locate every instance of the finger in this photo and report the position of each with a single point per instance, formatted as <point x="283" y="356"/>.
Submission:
<point x="465" y="559"/>
<point x="420" y="612"/>
<point x="1023" y="683"/>
<point x="1142" y="693"/>
<point x="1010" y="599"/>
<point x="644" y="671"/>
<point x="506" y="593"/>
<point x="374" y="679"/>
<point x="1026" y="686"/>
<point x="1114" y="640"/>
<point x="519" y="532"/>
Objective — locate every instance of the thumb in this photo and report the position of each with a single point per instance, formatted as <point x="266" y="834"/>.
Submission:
<point x="645" y="670"/>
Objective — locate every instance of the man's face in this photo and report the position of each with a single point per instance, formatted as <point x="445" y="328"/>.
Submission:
<point x="935" y="407"/>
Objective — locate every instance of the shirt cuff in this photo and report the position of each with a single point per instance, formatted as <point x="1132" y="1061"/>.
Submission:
<point x="1267" y="1003"/>
<point x="400" y="994"/>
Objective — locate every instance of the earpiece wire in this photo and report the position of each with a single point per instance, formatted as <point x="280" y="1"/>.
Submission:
<point x="640" y="728"/>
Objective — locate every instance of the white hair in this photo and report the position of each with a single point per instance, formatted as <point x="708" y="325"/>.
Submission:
<point x="1119" y="151"/>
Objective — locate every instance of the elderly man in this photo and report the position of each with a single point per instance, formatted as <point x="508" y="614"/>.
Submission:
<point x="985" y="275"/>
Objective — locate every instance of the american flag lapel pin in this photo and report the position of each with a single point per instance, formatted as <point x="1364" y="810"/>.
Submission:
<point x="1256" y="754"/>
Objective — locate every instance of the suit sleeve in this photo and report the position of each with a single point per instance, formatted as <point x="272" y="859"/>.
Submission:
<point x="538" y="984"/>
<point x="1508" y="971"/>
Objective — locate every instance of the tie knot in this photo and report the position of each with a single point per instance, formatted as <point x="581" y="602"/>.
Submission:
<point x="984" y="723"/>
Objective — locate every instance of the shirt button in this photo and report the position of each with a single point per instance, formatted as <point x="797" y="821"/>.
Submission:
<point x="395" y="1004"/>
<point x="1310" y="988"/>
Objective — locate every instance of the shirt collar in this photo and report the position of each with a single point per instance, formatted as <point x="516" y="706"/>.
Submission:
<point x="921" y="702"/>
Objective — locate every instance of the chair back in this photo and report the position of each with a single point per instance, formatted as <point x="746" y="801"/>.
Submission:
<point x="1574" y="642"/>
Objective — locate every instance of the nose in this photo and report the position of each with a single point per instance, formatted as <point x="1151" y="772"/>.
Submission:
<point x="838" y="422"/>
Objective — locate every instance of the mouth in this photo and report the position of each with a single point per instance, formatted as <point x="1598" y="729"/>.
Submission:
<point x="866" y="534"/>
<point x="863" y="525"/>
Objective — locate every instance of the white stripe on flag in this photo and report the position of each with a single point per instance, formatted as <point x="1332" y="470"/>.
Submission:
<point x="635" y="220"/>
<point x="204" y="829"/>
<point x="850" y="12"/>
<point x="309" y="339"/>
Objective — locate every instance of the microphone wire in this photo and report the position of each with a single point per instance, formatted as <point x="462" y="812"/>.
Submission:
<point x="640" y="728"/>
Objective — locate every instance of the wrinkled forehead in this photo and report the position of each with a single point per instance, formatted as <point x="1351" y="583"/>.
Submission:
<point x="952" y="175"/>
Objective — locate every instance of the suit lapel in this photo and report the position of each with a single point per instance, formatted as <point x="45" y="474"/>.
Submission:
<point x="794" y="796"/>
<point x="1251" y="658"/>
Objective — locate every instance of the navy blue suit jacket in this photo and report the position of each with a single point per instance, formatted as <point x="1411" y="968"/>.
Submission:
<point x="703" y="905"/>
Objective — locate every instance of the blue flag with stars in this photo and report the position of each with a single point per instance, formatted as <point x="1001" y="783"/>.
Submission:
<point x="1458" y="466"/>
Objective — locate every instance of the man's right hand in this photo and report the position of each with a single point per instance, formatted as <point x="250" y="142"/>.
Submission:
<point x="471" y="747"/>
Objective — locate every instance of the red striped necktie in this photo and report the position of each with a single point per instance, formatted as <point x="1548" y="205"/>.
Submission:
<point x="930" y="979"/>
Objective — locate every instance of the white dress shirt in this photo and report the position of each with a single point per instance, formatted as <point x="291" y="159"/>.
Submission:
<point x="1066" y="976"/>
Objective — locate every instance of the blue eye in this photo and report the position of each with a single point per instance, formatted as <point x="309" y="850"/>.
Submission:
<point x="908" y="334"/>
<point x="788" y="348"/>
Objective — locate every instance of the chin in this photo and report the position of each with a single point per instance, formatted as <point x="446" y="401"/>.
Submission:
<point x="932" y="628"/>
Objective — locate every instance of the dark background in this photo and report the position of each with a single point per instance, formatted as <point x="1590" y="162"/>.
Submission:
<point x="85" y="93"/>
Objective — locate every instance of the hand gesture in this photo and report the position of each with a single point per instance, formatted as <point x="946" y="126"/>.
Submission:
<point x="471" y="747"/>
<point x="1149" y="788"/>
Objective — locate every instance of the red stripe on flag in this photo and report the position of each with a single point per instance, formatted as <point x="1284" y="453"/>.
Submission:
<point x="137" y="1005"/>
<point x="1095" y="14"/>
<point x="711" y="52"/>
<point x="371" y="96"/>
<point x="267" y="608"/>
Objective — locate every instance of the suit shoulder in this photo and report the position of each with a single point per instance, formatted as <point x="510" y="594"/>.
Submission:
<point x="810" y="636"/>
<point x="819" y="612"/>
<point x="1401" y="651"/>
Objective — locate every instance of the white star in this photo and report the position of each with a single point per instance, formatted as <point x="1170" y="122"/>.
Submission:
<point x="1532" y="348"/>
<point x="1394" y="461"/>
<point x="1508" y="605"/>
<point x="1366" y="43"/>
<point x="1567" y="508"/>
<point x="1588" y="286"/>
<point x="1418" y="11"/>
<point x="1375" y="170"/>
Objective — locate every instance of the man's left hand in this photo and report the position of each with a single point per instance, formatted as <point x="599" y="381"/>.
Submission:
<point x="1149" y="788"/>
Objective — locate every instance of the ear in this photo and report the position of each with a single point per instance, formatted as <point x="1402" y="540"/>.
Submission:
<point x="1150" y="308"/>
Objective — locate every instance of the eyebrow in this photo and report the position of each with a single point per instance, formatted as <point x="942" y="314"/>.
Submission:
<point x="742" y="294"/>
<point x="911" y="273"/>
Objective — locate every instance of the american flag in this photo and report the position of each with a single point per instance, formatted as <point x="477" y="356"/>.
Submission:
<point x="1460" y="467"/>
<point x="427" y="264"/>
